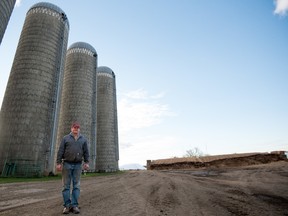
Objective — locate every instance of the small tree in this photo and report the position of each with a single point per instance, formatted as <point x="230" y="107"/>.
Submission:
<point x="195" y="152"/>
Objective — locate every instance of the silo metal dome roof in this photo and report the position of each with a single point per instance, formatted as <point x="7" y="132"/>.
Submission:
<point x="82" y="45"/>
<point x="104" y="69"/>
<point x="50" y="6"/>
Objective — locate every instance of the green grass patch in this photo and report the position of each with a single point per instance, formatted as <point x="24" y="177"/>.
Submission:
<point x="88" y="174"/>
<point x="4" y="180"/>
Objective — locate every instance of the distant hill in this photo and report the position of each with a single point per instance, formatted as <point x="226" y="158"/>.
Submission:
<point x="132" y="167"/>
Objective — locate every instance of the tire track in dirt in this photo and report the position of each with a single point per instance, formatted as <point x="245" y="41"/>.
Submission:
<point x="256" y="190"/>
<point x="16" y="195"/>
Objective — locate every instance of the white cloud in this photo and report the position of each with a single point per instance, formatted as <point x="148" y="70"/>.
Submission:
<point x="136" y="94"/>
<point x="281" y="7"/>
<point x="18" y="3"/>
<point x="134" y="115"/>
<point x="142" y="94"/>
<point x="151" y="147"/>
<point x="140" y="110"/>
<point x="125" y="145"/>
<point x="137" y="109"/>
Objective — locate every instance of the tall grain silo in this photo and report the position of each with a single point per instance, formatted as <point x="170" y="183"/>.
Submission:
<point x="6" y="8"/>
<point x="30" y="108"/>
<point x="79" y="95"/>
<point x="107" y="126"/>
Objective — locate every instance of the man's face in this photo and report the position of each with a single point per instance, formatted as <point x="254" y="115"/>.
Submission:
<point x="75" y="130"/>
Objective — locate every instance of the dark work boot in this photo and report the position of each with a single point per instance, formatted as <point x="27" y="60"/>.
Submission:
<point x="66" y="210"/>
<point x="75" y="210"/>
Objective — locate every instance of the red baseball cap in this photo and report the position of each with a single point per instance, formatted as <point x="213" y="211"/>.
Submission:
<point x="75" y="125"/>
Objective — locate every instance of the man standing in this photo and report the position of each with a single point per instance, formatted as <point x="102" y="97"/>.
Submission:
<point x="72" y="150"/>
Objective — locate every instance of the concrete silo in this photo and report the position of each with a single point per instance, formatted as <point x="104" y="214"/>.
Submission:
<point x="6" y="8"/>
<point x="30" y="108"/>
<point x="107" y="126"/>
<point x="79" y="95"/>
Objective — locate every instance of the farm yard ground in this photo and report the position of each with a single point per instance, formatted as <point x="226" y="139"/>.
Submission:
<point x="246" y="190"/>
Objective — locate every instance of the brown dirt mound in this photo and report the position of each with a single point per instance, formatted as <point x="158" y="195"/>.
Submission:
<point x="232" y="160"/>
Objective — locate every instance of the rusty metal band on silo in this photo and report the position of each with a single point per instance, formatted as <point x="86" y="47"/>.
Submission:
<point x="29" y="113"/>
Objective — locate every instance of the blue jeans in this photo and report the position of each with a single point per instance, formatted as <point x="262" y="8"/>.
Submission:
<point x="71" y="172"/>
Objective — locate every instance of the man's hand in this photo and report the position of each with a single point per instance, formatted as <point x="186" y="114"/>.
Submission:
<point x="59" y="167"/>
<point x="86" y="166"/>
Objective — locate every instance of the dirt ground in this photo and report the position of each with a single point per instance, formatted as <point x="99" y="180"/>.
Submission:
<point x="251" y="190"/>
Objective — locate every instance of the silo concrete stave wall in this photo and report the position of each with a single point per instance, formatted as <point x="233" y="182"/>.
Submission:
<point x="29" y="113"/>
<point x="107" y="127"/>
<point x="79" y="95"/>
<point x="6" y="8"/>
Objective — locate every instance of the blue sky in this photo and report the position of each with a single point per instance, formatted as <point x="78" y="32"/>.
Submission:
<point x="190" y="73"/>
